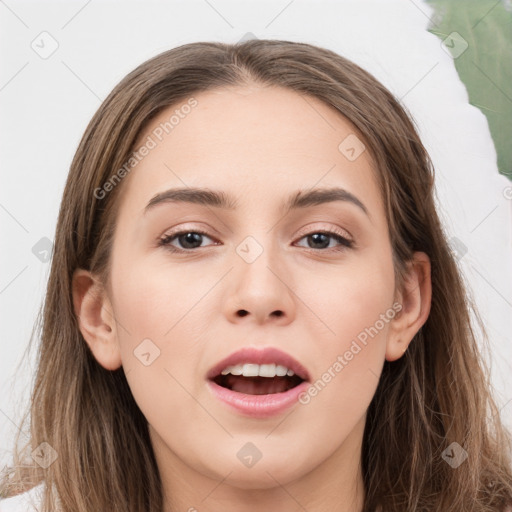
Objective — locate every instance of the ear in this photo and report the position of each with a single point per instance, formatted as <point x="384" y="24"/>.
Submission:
<point x="95" y="318"/>
<point x="415" y="298"/>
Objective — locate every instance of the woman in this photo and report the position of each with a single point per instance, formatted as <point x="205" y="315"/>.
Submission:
<point x="315" y="354"/>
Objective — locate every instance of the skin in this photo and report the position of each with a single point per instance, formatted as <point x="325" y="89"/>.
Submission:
<point x="258" y="144"/>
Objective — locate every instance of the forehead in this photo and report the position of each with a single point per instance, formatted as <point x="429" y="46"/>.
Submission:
<point x="257" y="141"/>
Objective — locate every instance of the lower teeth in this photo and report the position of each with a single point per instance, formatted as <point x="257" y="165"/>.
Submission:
<point x="257" y="385"/>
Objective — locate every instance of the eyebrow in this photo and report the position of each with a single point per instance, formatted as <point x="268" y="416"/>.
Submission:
<point x="219" y="199"/>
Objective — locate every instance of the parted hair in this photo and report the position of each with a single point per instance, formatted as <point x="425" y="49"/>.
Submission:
<point x="437" y="394"/>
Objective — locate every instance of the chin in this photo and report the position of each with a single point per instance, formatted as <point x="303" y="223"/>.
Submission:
<point x="264" y="474"/>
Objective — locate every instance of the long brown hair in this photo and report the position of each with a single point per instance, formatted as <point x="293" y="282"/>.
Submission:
<point x="437" y="394"/>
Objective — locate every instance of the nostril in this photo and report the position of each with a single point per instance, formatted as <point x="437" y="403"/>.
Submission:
<point x="242" y="312"/>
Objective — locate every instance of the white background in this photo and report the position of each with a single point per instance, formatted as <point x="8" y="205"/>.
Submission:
<point x="47" y="103"/>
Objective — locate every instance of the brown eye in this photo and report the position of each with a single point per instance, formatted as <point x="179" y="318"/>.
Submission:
<point x="188" y="240"/>
<point x="320" y="240"/>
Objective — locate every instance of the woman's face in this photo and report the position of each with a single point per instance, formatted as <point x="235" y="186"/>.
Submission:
<point x="252" y="274"/>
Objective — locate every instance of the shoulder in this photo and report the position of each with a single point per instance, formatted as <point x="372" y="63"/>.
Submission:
<point x="28" y="501"/>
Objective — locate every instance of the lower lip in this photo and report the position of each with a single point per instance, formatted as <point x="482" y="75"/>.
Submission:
<point x="258" y="406"/>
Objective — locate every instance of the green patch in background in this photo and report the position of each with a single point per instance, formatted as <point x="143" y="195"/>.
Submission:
<point x="478" y="34"/>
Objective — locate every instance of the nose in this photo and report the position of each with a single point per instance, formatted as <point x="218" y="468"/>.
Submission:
<point x="260" y="291"/>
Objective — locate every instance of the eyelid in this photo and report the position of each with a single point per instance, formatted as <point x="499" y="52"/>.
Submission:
<point x="196" y="228"/>
<point x="336" y="229"/>
<point x="344" y="239"/>
<point x="182" y="231"/>
<point x="303" y="232"/>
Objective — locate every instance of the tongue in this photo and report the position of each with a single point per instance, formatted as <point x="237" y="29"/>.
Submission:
<point x="258" y="385"/>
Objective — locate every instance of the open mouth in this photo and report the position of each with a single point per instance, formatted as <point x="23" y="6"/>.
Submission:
<point x="257" y="385"/>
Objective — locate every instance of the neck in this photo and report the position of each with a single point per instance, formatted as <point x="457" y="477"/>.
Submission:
<point x="334" y="485"/>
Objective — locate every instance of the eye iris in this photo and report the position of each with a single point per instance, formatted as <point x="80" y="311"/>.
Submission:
<point x="317" y="239"/>
<point x="191" y="238"/>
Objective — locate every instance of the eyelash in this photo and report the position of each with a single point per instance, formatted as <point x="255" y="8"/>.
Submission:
<point x="344" y="242"/>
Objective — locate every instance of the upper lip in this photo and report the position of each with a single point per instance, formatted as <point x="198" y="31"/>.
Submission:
<point x="267" y="355"/>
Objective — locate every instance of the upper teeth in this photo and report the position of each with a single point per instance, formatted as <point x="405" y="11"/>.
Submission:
<point x="261" y="370"/>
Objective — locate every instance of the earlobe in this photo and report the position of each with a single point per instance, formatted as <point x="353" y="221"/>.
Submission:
<point x="95" y="318"/>
<point x="415" y="298"/>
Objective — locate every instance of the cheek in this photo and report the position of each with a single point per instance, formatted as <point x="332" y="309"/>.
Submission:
<point x="350" y="297"/>
<point x="154" y="297"/>
<point x="354" y="305"/>
<point x="157" y="326"/>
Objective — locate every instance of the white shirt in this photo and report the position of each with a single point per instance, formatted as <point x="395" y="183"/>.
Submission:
<point x="28" y="501"/>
